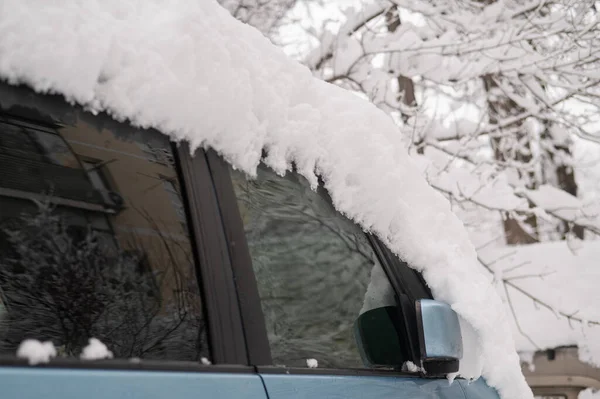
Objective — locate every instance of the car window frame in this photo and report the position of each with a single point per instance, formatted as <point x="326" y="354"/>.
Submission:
<point x="253" y="318"/>
<point x="213" y="266"/>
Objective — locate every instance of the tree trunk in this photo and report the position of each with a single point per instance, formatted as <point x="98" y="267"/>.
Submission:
<point x="406" y="87"/>
<point x="515" y="148"/>
<point x="559" y="173"/>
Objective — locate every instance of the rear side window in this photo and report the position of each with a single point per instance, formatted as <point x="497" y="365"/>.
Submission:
<point x="94" y="241"/>
<point x="316" y="271"/>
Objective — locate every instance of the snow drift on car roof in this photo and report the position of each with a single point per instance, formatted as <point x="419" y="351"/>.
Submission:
<point x="192" y="71"/>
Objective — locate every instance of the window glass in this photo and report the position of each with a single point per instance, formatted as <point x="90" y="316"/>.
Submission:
<point x="93" y="171"/>
<point x="316" y="271"/>
<point x="94" y="248"/>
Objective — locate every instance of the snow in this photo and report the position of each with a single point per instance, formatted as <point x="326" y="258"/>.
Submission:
<point x="588" y="394"/>
<point x="411" y="367"/>
<point x="564" y="279"/>
<point x="312" y="363"/>
<point x="379" y="291"/>
<point x="205" y="361"/>
<point x="96" y="350"/>
<point x="566" y="206"/>
<point x="36" y="352"/>
<point x="479" y="184"/>
<point x="527" y="359"/>
<point x="185" y="68"/>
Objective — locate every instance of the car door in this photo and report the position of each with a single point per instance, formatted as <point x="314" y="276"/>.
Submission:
<point x="308" y="275"/>
<point x="112" y="232"/>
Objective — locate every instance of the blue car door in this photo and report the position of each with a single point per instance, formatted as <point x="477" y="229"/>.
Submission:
<point x="113" y="233"/>
<point x="322" y="385"/>
<point x="76" y="383"/>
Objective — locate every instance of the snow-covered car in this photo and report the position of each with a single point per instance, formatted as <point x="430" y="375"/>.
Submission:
<point x="131" y="268"/>
<point x="183" y="213"/>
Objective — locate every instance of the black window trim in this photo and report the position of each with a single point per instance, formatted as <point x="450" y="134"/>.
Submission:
<point x="395" y="273"/>
<point x="211" y="251"/>
<point x="253" y="320"/>
<point x="259" y="351"/>
<point x="129" y="365"/>
<point x="220" y="301"/>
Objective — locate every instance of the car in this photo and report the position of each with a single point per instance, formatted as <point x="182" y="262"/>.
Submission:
<point x="155" y="272"/>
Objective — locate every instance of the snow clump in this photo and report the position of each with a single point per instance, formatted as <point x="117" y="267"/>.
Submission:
<point x="96" y="350"/>
<point x="36" y="352"/>
<point x="205" y="361"/>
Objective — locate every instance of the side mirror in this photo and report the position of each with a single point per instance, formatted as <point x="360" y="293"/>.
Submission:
<point x="425" y="332"/>
<point x="440" y="339"/>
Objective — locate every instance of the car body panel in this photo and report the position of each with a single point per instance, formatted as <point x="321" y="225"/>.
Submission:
<point x="62" y="383"/>
<point x="283" y="386"/>
<point x="478" y="389"/>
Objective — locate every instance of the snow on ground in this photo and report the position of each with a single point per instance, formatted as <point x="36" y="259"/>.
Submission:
<point x="36" y="352"/>
<point x="96" y="350"/>
<point x="564" y="278"/>
<point x="186" y="67"/>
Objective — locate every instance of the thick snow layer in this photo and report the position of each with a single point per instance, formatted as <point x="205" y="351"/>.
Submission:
<point x="96" y="350"/>
<point x="36" y="352"/>
<point x="547" y="283"/>
<point x="192" y="71"/>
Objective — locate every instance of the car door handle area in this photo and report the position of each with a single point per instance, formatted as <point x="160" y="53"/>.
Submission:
<point x="54" y="383"/>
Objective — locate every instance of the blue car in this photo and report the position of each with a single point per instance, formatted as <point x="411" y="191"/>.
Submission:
<point x="197" y="281"/>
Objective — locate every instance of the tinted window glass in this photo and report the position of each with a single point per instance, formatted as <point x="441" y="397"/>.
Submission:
<point x="316" y="270"/>
<point x="94" y="240"/>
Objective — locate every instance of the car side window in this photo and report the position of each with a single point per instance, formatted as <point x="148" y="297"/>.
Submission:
<point x="94" y="241"/>
<point x="316" y="270"/>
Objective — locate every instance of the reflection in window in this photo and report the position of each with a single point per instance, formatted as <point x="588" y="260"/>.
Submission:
<point x="316" y="271"/>
<point x="81" y="257"/>
<point x="175" y="196"/>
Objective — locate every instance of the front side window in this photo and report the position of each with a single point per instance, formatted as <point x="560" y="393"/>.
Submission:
<point x="92" y="242"/>
<point x="316" y="271"/>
